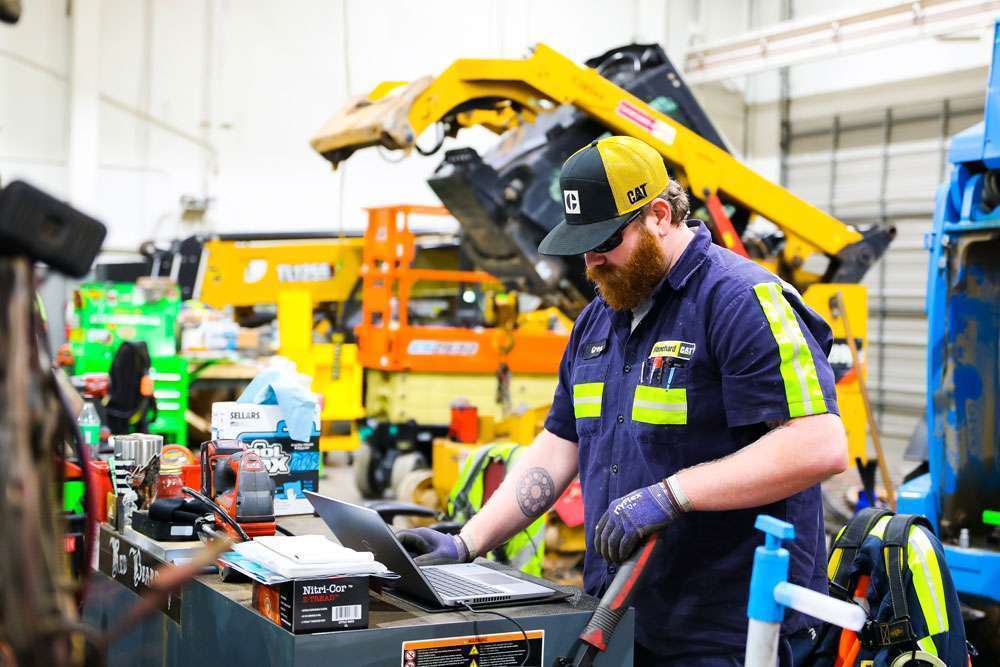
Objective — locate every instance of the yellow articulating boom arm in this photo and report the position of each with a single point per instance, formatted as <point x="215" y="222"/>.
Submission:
<point x="248" y="272"/>
<point x="502" y="93"/>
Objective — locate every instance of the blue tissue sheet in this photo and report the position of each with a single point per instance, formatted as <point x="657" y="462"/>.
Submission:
<point x="298" y="405"/>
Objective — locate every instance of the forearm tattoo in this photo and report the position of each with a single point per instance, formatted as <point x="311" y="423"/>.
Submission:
<point x="535" y="492"/>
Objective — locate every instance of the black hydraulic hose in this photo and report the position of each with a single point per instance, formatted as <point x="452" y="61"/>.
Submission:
<point x="219" y="511"/>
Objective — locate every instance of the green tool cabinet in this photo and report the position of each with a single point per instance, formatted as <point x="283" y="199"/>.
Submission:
<point x="105" y="314"/>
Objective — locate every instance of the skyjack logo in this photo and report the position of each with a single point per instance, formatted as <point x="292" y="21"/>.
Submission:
<point x="304" y="273"/>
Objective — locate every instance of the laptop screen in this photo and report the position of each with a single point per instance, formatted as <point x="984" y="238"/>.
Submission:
<point x="362" y="529"/>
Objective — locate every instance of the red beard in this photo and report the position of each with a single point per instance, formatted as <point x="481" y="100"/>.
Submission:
<point x="625" y="287"/>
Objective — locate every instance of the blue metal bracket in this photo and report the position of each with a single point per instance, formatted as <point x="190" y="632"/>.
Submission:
<point x="958" y="212"/>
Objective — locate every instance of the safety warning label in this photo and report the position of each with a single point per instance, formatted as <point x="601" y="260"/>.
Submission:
<point x="495" y="650"/>
<point x="662" y="131"/>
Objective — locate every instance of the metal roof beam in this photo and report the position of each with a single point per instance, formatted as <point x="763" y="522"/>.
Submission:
<point x="815" y="38"/>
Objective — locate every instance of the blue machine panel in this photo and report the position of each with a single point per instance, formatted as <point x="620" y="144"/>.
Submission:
<point x="963" y="357"/>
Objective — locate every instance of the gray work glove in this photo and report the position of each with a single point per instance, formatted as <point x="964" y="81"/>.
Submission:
<point x="631" y="518"/>
<point x="432" y="547"/>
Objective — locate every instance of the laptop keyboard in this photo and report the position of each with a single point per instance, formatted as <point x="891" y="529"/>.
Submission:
<point x="449" y="585"/>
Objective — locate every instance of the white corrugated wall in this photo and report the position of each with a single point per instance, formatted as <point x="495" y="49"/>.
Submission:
<point x="883" y="165"/>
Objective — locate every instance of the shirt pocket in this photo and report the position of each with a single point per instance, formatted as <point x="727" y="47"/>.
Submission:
<point x="660" y="409"/>
<point x="588" y="397"/>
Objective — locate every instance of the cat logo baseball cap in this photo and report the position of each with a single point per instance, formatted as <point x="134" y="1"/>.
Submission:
<point x="603" y="186"/>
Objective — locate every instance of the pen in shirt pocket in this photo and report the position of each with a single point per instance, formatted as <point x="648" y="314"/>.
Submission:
<point x="656" y="372"/>
<point x="670" y="376"/>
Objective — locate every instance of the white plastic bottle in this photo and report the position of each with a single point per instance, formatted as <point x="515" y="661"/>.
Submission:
<point x="90" y="425"/>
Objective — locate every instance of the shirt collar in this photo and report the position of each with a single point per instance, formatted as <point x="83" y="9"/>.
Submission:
<point x="691" y="259"/>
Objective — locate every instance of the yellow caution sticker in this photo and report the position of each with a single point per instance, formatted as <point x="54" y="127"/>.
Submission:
<point x="500" y="648"/>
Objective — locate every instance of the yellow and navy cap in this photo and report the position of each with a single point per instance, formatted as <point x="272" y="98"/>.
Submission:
<point x="603" y="185"/>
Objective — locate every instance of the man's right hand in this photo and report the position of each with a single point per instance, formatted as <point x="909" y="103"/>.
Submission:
<point x="432" y="547"/>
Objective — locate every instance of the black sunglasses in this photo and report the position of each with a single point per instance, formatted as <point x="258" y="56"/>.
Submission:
<point x="615" y="239"/>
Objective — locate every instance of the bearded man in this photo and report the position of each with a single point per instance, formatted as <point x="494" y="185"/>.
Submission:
<point x="694" y="394"/>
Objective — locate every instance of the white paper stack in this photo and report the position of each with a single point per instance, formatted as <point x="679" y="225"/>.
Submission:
<point x="308" y="556"/>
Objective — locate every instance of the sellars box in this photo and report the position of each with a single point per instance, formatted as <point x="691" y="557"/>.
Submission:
<point x="319" y="604"/>
<point x="292" y="464"/>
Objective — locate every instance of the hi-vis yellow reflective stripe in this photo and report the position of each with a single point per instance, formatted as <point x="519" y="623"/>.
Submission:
<point x="927" y="645"/>
<point x="927" y="584"/>
<point x="923" y="563"/>
<point x="878" y="530"/>
<point x="802" y="390"/>
<point x="654" y="405"/>
<point x="834" y="564"/>
<point x="587" y="399"/>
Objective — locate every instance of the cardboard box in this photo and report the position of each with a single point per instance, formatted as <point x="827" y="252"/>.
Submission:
<point x="293" y="465"/>
<point x="320" y="604"/>
<point x="230" y="419"/>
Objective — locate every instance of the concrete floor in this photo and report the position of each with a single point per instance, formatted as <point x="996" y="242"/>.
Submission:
<point x="337" y="479"/>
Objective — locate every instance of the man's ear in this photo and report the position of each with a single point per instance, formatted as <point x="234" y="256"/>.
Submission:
<point x="664" y="216"/>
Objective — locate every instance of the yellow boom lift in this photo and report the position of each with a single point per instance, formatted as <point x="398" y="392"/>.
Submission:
<point x="545" y="107"/>
<point x="303" y="276"/>
<point x="315" y="283"/>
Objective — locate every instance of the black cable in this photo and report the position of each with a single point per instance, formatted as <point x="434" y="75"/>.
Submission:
<point x="221" y="513"/>
<point x="440" y="142"/>
<point x="527" y="644"/>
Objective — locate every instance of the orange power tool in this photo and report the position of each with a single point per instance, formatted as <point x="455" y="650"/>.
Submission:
<point x="236" y="480"/>
<point x="243" y="488"/>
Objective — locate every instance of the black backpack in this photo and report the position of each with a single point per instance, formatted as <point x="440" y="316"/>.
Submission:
<point x="893" y="566"/>
<point x="131" y="405"/>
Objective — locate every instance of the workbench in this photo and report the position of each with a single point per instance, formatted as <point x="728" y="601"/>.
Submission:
<point x="213" y="623"/>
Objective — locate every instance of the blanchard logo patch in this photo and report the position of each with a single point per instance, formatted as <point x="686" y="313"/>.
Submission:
<point x="637" y="193"/>
<point x="673" y="349"/>
<point x="571" y="198"/>
<point x="593" y="348"/>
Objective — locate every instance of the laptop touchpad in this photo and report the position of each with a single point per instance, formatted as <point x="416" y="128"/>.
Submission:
<point x="493" y="579"/>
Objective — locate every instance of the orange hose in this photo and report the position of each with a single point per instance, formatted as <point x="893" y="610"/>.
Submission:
<point x="850" y="646"/>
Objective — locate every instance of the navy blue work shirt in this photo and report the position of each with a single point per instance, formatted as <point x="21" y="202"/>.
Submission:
<point x="738" y="350"/>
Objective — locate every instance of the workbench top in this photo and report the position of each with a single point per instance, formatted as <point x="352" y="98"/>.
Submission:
<point x="387" y="611"/>
<point x="212" y="622"/>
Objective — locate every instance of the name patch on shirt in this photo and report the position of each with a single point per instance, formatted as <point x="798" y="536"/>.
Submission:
<point x="673" y="349"/>
<point x="593" y="349"/>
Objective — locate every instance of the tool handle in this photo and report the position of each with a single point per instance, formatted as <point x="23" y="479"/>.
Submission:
<point x="616" y="599"/>
<point x="837" y="304"/>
